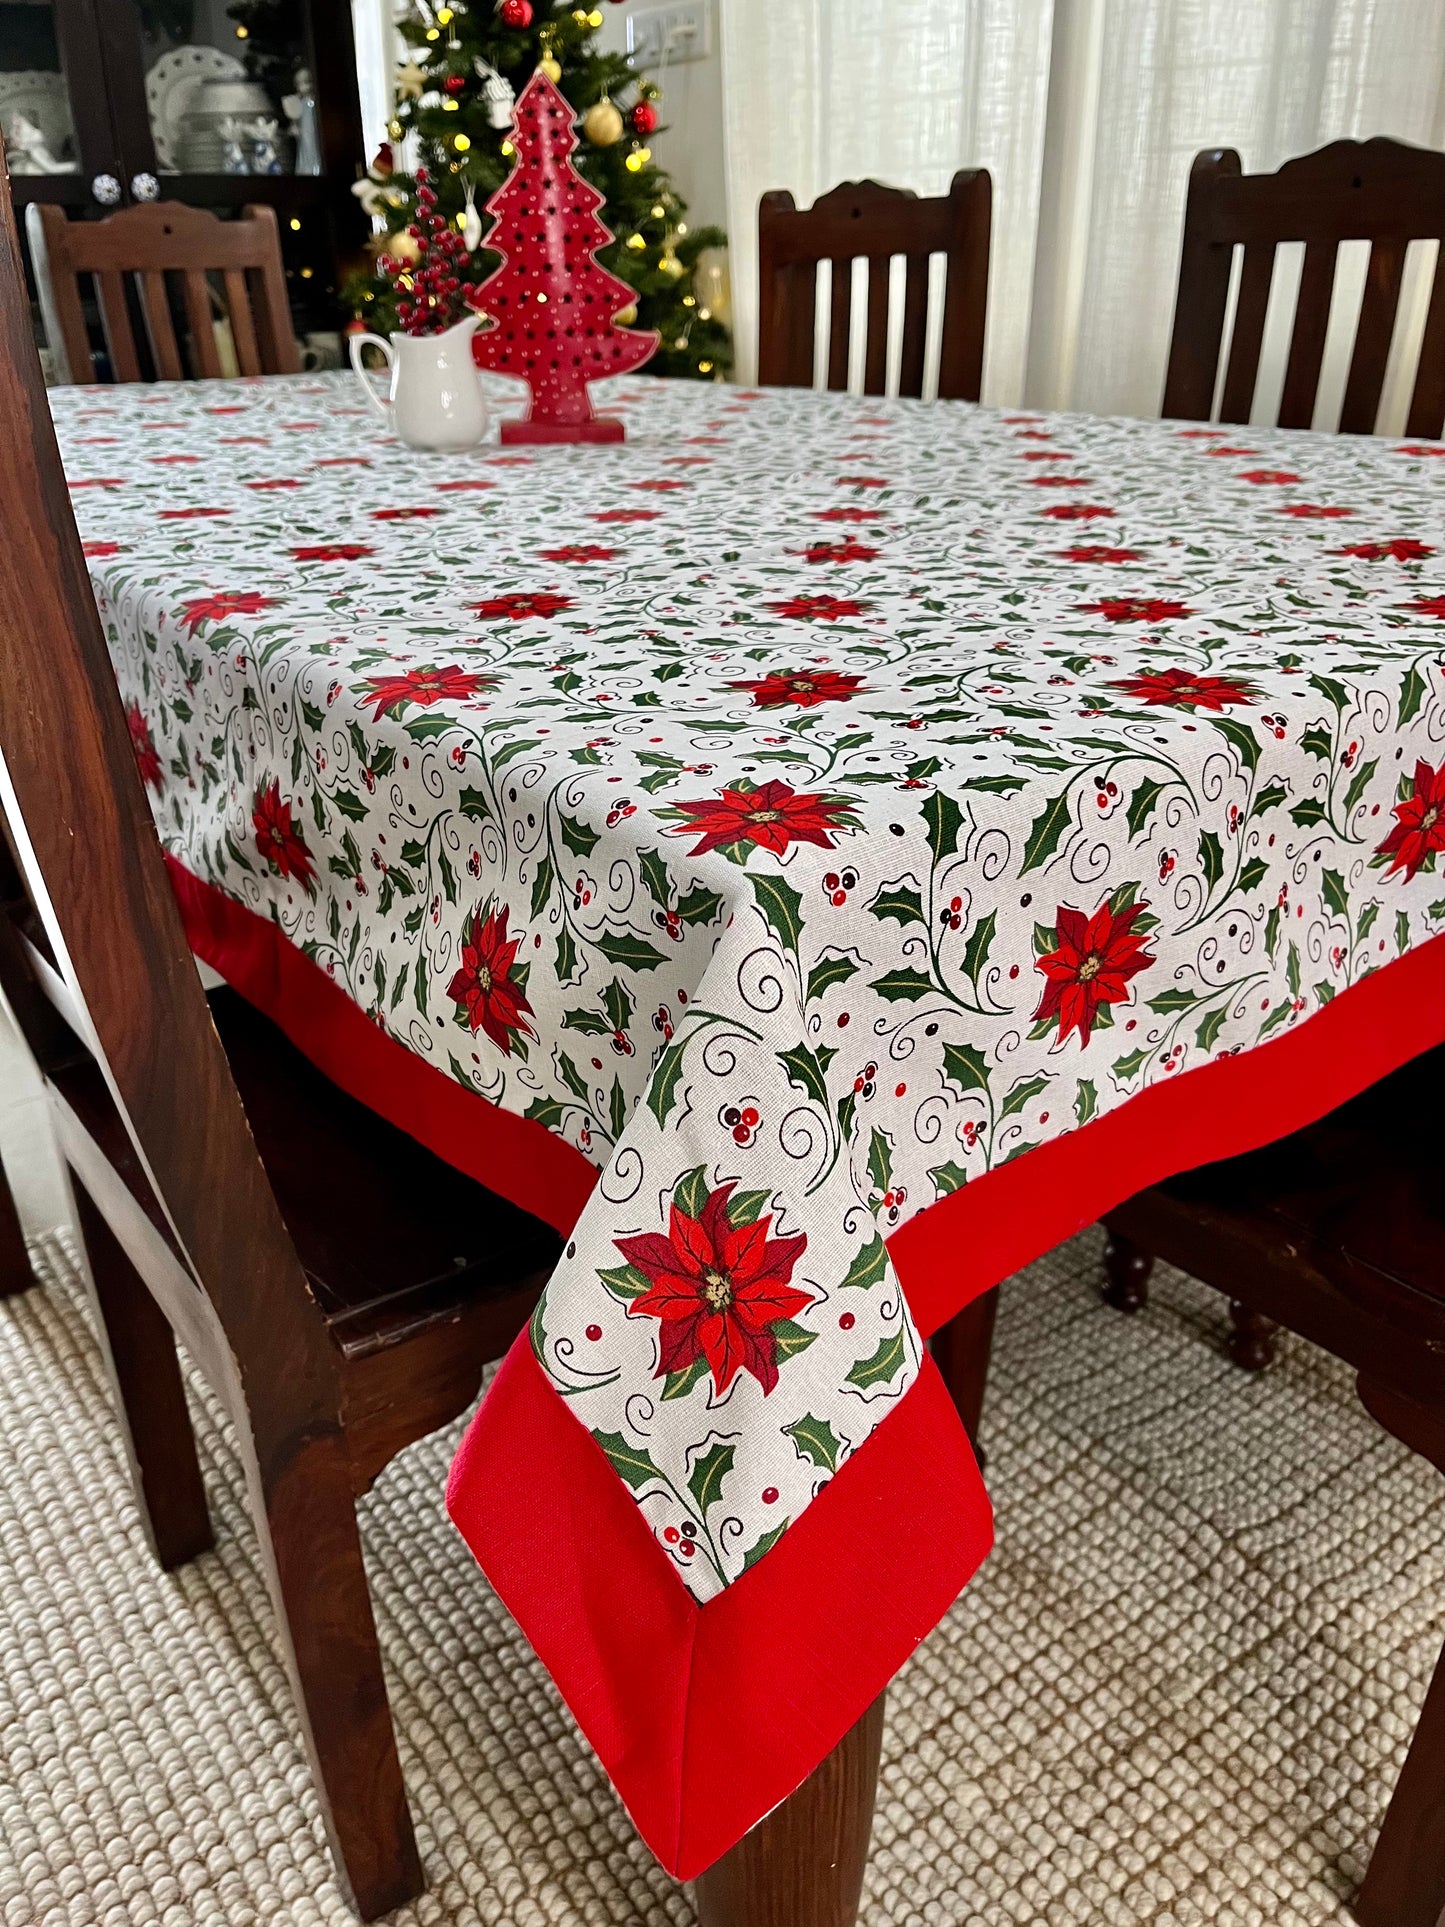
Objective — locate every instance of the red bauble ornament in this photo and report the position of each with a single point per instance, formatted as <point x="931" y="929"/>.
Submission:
<point x="644" y="118"/>
<point x="550" y="304"/>
<point x="455" y="83"/>
<point x="515" y="13"/>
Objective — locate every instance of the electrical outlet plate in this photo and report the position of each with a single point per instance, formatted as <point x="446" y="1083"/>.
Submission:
<point x="663" y="36"/>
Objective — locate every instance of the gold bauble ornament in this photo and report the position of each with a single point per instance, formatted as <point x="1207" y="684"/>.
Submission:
<point x="551" y="68"/>
<point x="626" y="316"/>
<point x="603" y="124"/>
<point x="410" y="82"/>
<point x="401" y="246"/>
<point x="669" y="264"/>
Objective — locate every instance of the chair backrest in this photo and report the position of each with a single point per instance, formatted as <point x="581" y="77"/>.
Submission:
<point x="217" y="269"/>
<point x="862" y="220"/>
<point x="1379" y="191"/>
<point x="77" y="815"/>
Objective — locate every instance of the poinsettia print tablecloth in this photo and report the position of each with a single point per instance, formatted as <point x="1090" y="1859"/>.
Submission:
<point x="818" y="854"/>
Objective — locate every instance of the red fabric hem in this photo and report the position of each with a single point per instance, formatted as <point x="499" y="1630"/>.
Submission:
<point x="706" y="1717"/>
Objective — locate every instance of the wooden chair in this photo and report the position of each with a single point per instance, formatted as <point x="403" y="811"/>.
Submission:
<point x="15" y="1273"/>
<point x="1379" y="191"/>
<point x="229" y="268"/>
<point x="1337" y="1232"/>
<point x="863" y="220"/>
<point x="338" y="1286"/>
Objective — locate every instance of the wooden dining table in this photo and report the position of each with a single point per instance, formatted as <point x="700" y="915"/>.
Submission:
<point x="817" y="855"/>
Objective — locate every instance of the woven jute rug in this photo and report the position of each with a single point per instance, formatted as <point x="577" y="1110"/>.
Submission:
<point x="1177" y="1693"/>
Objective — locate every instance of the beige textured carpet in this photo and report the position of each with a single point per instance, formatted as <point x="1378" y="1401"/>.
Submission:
<point x="1178" y="1692"/>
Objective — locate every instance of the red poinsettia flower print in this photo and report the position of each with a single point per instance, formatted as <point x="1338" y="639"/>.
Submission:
<point x="817" y="608"/>
<point x="279" y="481"/>
<point x="1402" y="549"/>
<point x="1094" y="961"/>
<point x="804" y="687"/>
<point x="773" y="817"/>
<point x="718" y="1289"/>
<point x="391" y="694"/>
<point x="1419" y="832"/>
<point x="1135" y="608"/>
<point x="1429" y="605"/>
<point x="1314" y="511"/>
<point x="861" y="481"/>
<point x="1098" y="552"/>
<point x="190" y="515"/>
<point x="1058" y="481"/>
<point x="517" y="608"/>
<point x="333" y="552"/>
<point x="230" y="602"/>
<point x="1269" y="477"/>
<point x="579" y="552"/>
<point x="1076" y="511"/>
<point x="489" y="989"/>
<point x="849" y="551"/>
<point x="460" y="488"/>
<point x="659" y="488"/>
<point x="97" y="551"/>
<point x="628" y="515"/>
<point x="403" y="515"/>
<point x="279" y="839"/>
<point x="848" y="515"/>
<point x="1182" y="689"/>
<point x="1422" y="448"/>
<point x="147" y="757"/>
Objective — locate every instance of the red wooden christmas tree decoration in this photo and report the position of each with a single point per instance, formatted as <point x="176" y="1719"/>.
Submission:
<point x="550" y="303"/>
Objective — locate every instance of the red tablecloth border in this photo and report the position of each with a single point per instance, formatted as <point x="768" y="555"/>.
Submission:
<point x="706" y="1717"/>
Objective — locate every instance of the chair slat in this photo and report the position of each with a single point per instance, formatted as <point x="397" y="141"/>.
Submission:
<point x="115" y="316"/>
<point x="1307" y="342"/>
<point x="1427" y="404"/>
<point x="1373" y="336"/>
<point x="238" y="302"/>
<point x="156" y="305"/>
<point x="912" y="368"/>
<point x="204" y="352"/>
<point x="1242" y="374"/>
<point x="840" y="325"/>
<point x="875" y="367"/>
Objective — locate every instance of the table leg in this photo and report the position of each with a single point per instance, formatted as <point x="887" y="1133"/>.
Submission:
<point x="15" y="1272"/>
<point x="803" y="1866"/>
<point x="961" y="1350"/>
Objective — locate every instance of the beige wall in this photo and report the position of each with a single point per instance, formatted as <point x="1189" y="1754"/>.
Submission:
<point x="692" y="111"/>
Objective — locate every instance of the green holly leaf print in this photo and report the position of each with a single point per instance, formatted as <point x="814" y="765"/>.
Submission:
<point x="1048" y="826"/>
<point x="868" y="1267"/>
<point x="1311" y="811"/>
<point x="631" y="1462"/>
<point x="900" y="900"/>
<point x="1332" y="691"/>
<point x="1412" y="693"/>
<point x="542" y="886"/>
<point x="1360" y="784"/>
<point x="1020" y="1094"/>
<point x="705" y="1481"/>
<point x="746" y="1207"/>
<point x="1402" y="931"/>
<point x="831" y="968"/>
<point x="655" y="876"/>
<point x="944" y="820"/>
<point x="975" y="954"/>
<point x="690" y="1192"/>
<point x="473" y="803"/>
<point x="1253" y="874"/>
<point x="815" y="1439"/>
<point x="791" y="1338"/>
<point x="625" y="1282"/>
<point x="662" y="1092"/>
<point x="964" y="1065"/>
<point x="632" y="953"/>
<point x="806" y="1071"/>
<point x="578" y="838"/>
<point x="566" y="955"/>
<point x="1130" y="1065"/>
<point x="699" y="905"/>
<point x="880" y="1161"/>
<point x="880" y="1367"/>
<point x="591" y="1023"/>
<point x="542" y="1110"/>
<point x="617" y="1109"/>
<point x="948" y="1178"/>
<point x="996" y="785"/>
<point x="1333" y="886"/>
<point x="1141" y="803"/>
<point x="1243" y="738"/>
<point x="782" y="907"/>
<point x="902" y="985"/>
<point x="764" y="1545"/>
<point x="679" y="1384"/>
<point x="1211" y="859"/>
<point x="1318" y="741"/>
<point x="1086" y="1102"/>
<point x="1270" y="798"/>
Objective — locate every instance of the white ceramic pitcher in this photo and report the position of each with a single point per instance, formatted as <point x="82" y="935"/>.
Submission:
<point x="437" y="401"/>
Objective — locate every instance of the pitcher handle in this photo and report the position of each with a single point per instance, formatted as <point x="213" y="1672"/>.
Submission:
<point x="358" y="342"/>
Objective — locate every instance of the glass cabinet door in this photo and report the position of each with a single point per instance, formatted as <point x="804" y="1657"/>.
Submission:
<point x="228" y="89"/>
<point x="44" y="145"/>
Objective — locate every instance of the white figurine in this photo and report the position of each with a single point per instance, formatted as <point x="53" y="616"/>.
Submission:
<point x="300" y="110"/>
<point x="27" y="150"/>
<point x="265" y="146"/>
<point x="235" y="146"/>
<point x="497" y="93"/>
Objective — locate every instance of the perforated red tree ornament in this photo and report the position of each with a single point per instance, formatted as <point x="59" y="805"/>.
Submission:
<point x="550" y="304"/>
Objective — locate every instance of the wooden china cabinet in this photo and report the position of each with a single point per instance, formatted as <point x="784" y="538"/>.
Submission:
<point x="211" y="102"/>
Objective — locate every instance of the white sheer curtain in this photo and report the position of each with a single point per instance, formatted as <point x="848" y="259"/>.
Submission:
<point x="378" y="49"/>
<point x="900" y="91"/>
<point x="1088" y="113"/>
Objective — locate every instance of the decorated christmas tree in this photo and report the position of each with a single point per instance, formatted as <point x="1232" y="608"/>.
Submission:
<point x="456" y="96"/>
